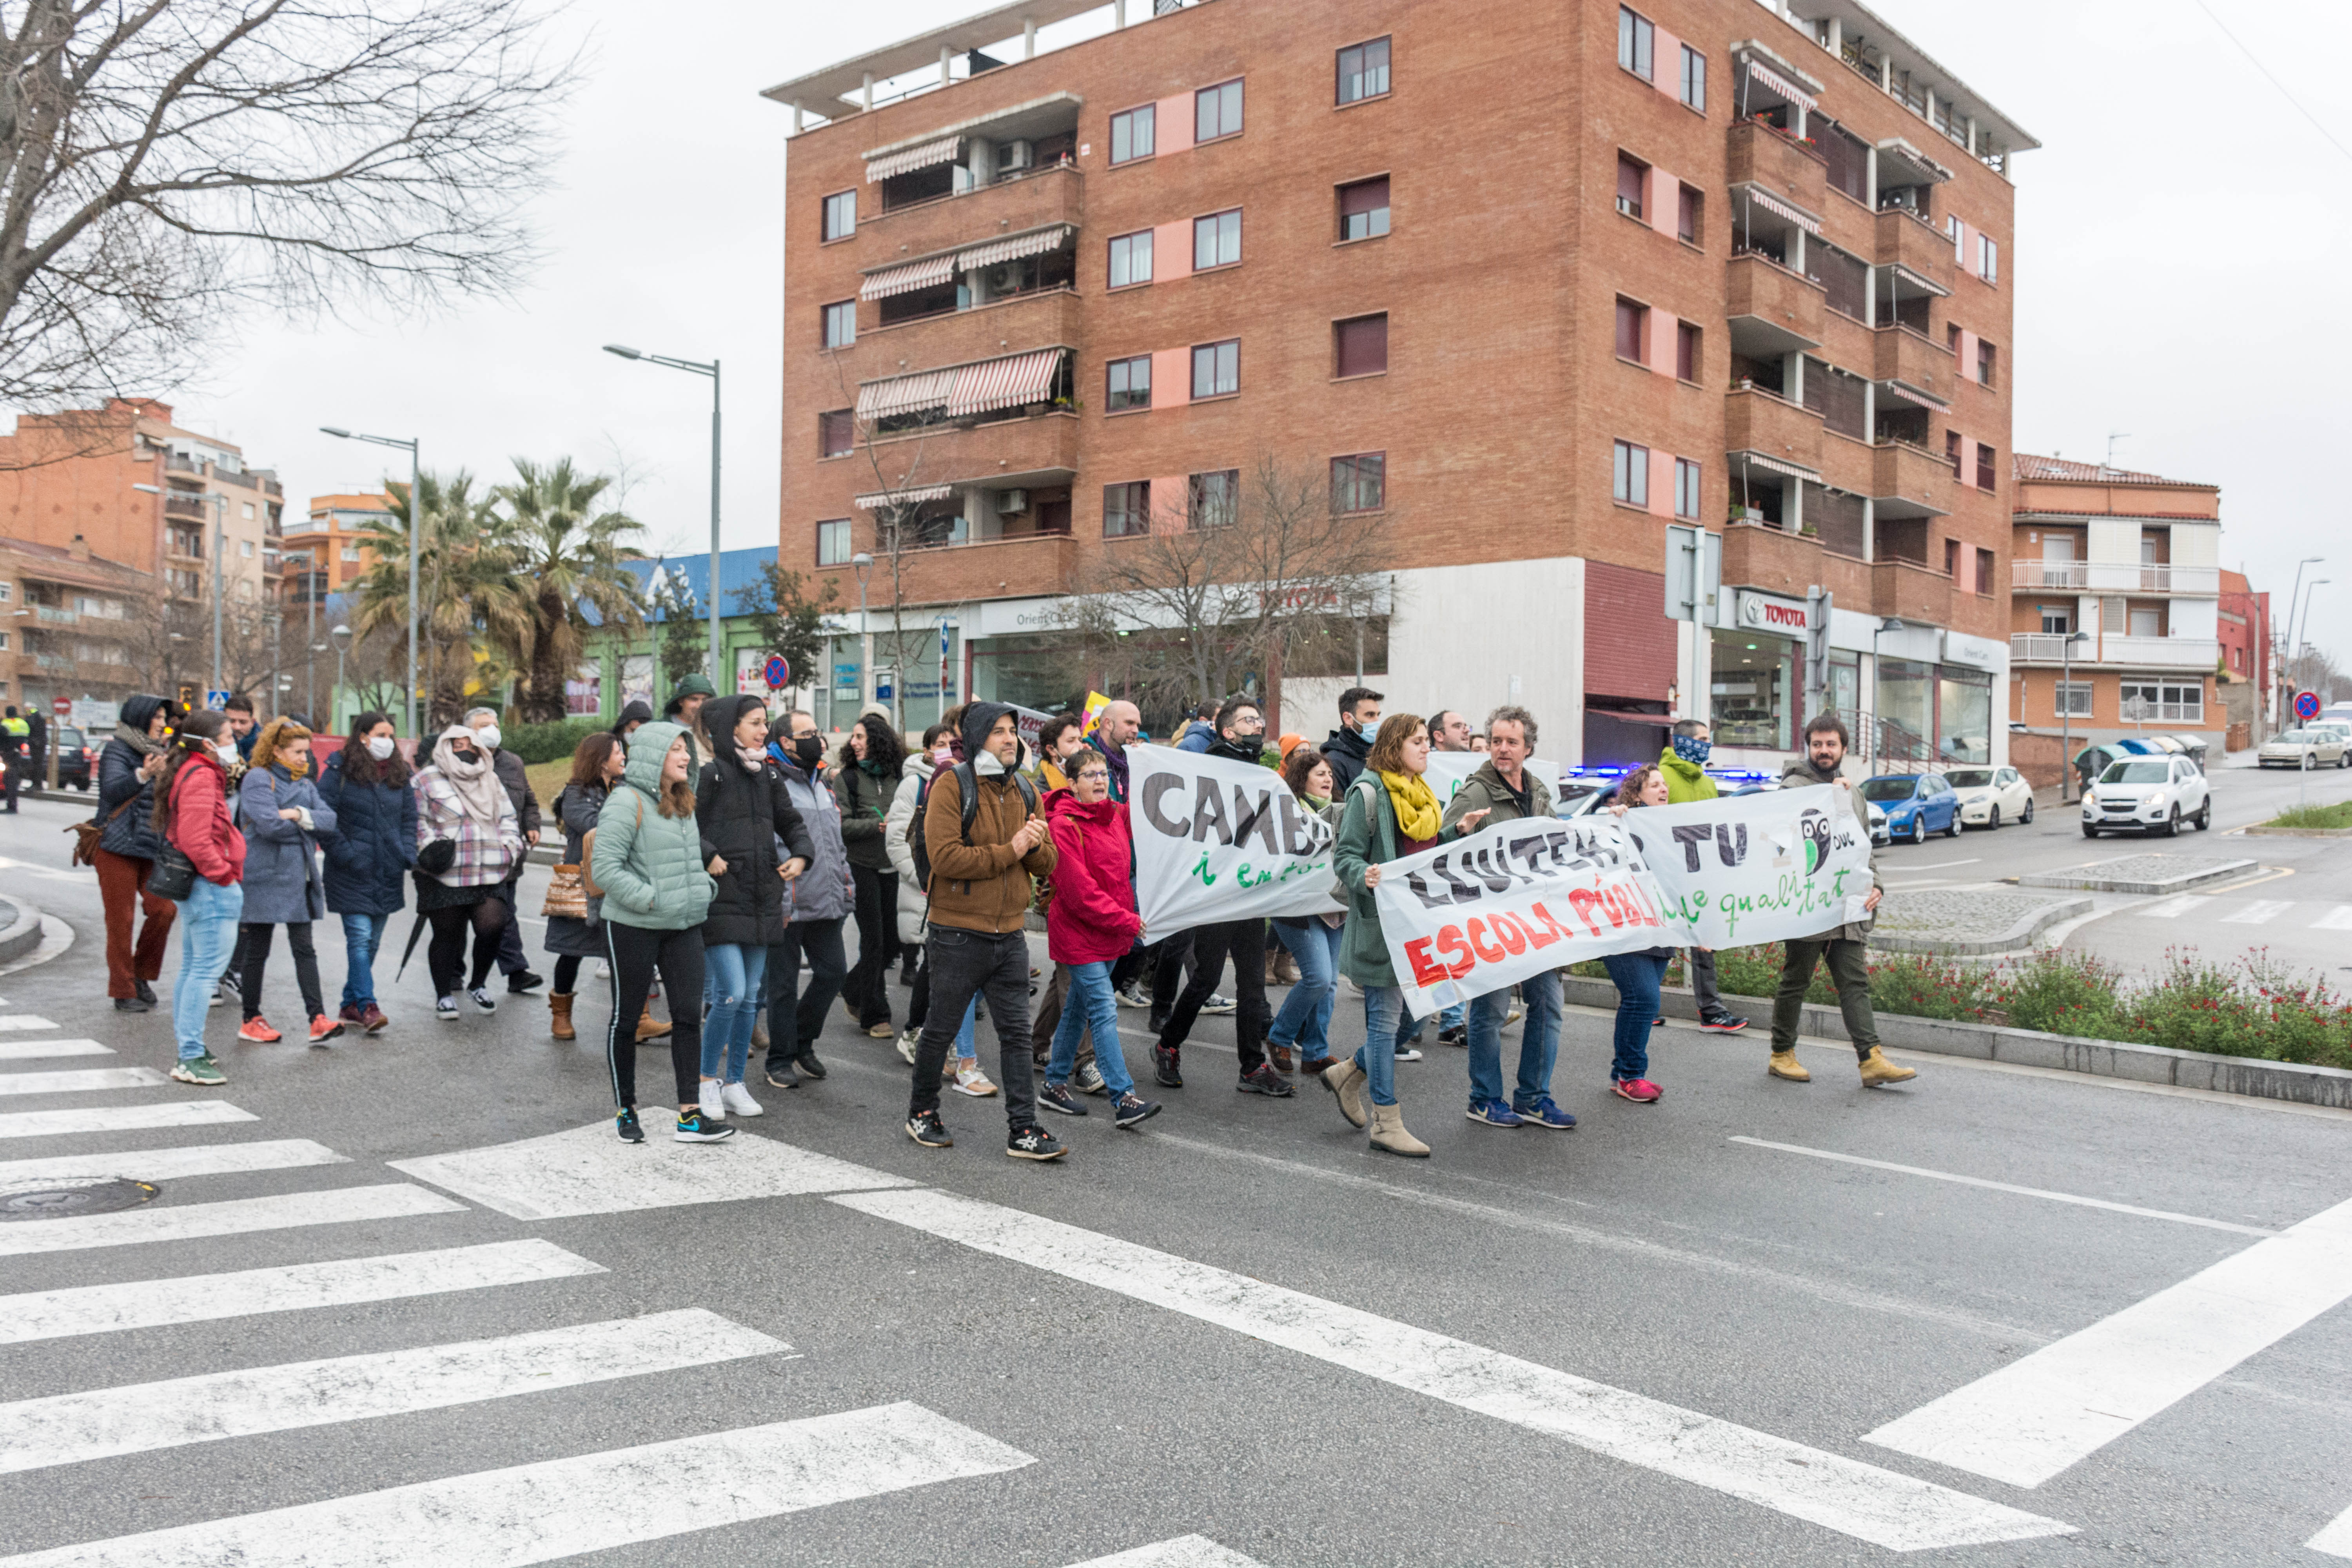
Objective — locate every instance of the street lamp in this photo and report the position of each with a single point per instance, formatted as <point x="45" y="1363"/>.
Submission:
<point x="341" y="637"/>
<point x="415" y="523"/>
<point x="864" y="564"/>
<point x="2293" y="644"/>
<point x="309" y="632"/>
<point x="710" y="370"/>
<point x="2293" y="598"/>
<point x="2066" y="710"/>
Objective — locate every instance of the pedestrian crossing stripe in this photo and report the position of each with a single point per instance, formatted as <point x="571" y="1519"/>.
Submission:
<point x="2337" y="919"/>
<point x="81" y="1080"/>
<point x="2336" y="1539"/>
<point x="166" y="1164"/>
<point x="28" y="1050"/>
<point x="25" y="1023"/>
<point x="2262" y="911"/>
<point x="235" y="1216"/>
<point x="1184" y="1551"/>
<point x="121" y="1117"/>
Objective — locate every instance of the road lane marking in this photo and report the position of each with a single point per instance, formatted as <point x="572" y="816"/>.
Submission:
<point x="2262" y="911"/>
<point x="1905" y="868"/>
<point x="162" y="1164"/>
<point x="25" y="1023"/>
<point x="563" y="1507"/>
<point x="2045" y="1412"/>
<point x="2337" y="919"/>
<point x="142" y="1417"/>
<point x="79" y="1081"/>
<point x="1880" y="1506"/>
<point x="2336" y="1539"/>
<point x="27" y="1050"/>
<point x="2008" y="1187"/>
<point x="2172" y="909"/>
<point x="1184" y="1551"/>
<point x="121" y="1118"/>
<point x="235" y="1216"/>
<point x="203" y="1297"/>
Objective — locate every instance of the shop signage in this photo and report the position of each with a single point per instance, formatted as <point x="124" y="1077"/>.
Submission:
<point x="1771" y="612"/>
<point x="1977" y="653"/>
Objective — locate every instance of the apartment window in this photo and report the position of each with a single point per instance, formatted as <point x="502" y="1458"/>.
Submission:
<point x="1130" y="258"/>
<point x="1632" y="326"/>
<point x="1217" y="240"/>
<point x="833" y="542"/>
<point x="1954" y="227"/>
<point x="1212" y="500"/>
<point x="1984" y="363"/>
<point x="2057" y="620"/>
<point x="1360" y="346"/>
<point x="1952" y="558"/>
<point x="1633" y="40"/>
<point x="1686" y="474"/>
<point x="1690" y="216"/>
<point x="1359" y="482"/>
<point x="1694" y="79"/>
<point x="1131" y="134"/>
<point x="841" y="324"/>
<point x="350" y="552"/>
<point x="1363" y="71"/>
<point x="1217" y="369"/>
<point x="1984" y="572"/>
<point x="1989" y="258"/>
<point x="1686" y="351"/>
<point x="1127" y="509"/>
<point x="1364" y="209"/>
<point x="245" y="548"/>
<point x="248" y="511"/>
<point x="1844" y="279"/>
<point x="1952" y="449"/>
<point x="1629" y="479"/>
<point x="1629" y="184"/>
<point x="7" y="592"/>
<point x="1217" y="112"/>
<point x="841" y="215"/>
<point x="1984" y="467"/>
<point x="2075" y="698"/>
<point x="1129" y="383"/>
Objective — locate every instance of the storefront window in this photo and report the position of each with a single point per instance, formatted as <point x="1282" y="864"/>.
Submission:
<point x="1844" y="697"/>
<point x="1964" y="712"/>
<point x="1031" y="672"/>
<point x="1907" y="704"/>
<point x="583" y="695"/>
<point x="1755" y="690"/>
<point x="637" y="679"/>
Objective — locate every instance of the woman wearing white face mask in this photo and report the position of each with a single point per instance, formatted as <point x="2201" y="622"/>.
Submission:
<point x="366" y="783"/>
<point x="192" y="815"/>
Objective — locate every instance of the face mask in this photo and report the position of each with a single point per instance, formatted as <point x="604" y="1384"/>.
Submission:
<point x="463" y="753"/>
<point x="225" y="750"/>
<point x="808" y="750"/>
<point x="489" y="736"/>
<point x="1369" y="727"/>
<point x="380" y="747"/>
<point x="1693" y="750"/>
<point x="942" y="756"/>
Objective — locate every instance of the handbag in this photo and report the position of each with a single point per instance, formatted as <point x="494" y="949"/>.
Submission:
<point x="87" y="834"/>
<point x="174" y="876"/>
<point x="567" y="894"/>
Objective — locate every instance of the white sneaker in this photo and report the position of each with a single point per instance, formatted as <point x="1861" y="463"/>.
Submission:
<point x="1217" y="1004"/>
<point x="483" y="1001"/>
<point x="970" y="1080"/>
<point x="713" y="1100"/>
<point x="446" y="1009"/>
<point x="738" y="1100"/>
<point x="603" y="970"/>
<point x="906" y="1043"/>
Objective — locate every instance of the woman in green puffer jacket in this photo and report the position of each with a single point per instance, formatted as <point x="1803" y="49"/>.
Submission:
<point x="656" y="872"/>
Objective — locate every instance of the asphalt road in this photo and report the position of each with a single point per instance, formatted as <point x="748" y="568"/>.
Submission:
<point x="1663" y="1338"/>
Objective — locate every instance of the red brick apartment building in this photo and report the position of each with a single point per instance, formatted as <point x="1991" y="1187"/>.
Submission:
<point x="1535" y="281"/>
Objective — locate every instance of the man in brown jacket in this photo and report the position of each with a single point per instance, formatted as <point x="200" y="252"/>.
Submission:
<point x="979" y="892"/>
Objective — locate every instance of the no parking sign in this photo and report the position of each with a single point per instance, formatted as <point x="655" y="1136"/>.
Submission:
<point x="2307" y="706"/>
<point x="777" y="672"/>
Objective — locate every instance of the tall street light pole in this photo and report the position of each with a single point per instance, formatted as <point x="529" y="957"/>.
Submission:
<point x="2293" y="598"/>
<point x="220" y="585"/>
<point x="2293" y="642"/>
<point x="864" y="563"/>
<point x="696" y="367"/>
<point x="415" y="526"/>
<point x="341" y="637"/>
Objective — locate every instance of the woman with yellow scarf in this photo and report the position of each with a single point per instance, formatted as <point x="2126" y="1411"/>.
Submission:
<point x="1390" y="813"/>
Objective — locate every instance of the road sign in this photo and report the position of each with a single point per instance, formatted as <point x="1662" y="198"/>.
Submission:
<point x="217" y="700"/>
<point x="777" y="672"/>
<point x="2307" y="706"/>
<point x="62" y="706"/>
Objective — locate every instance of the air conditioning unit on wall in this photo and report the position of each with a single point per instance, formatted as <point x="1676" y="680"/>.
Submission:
<point x="1015" y="154"/>
<point x="1011" y="501"/>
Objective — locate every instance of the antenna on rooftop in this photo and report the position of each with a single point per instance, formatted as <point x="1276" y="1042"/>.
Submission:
<point x="2114" y="437"/>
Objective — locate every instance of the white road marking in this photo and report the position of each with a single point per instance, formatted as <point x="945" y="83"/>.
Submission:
<point x="2043" y="1412"/>
<point x="2262" y="911"/>
<point x="204" y="1298"/>
<point x="2337" y="919"/>
<point x="1184" y="1551"/>
<point x="161" y="1164"/>
<point x="27" y="1050"/>
<point x="1862" y="1501"/>
<point x="1905" y="868"/>
<point x="79" y="1081"/>
<point x="140" y="1417"/>
<point x="235" y="1216"/>
<point x="121" y="1118"/>
<point x="2008" y="1187"/>
<point x="589" y="1170"/>
<point x="562" y="1507"/>
<point x="25" y="1023"/>
<point x="2172" y="909"/>
<point x="2336" y="1539"/>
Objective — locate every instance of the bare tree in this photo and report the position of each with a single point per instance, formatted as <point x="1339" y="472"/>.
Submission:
<point x="168" y="639"/>
<point x="902" y="483"/>
<point x="166" y="162"/>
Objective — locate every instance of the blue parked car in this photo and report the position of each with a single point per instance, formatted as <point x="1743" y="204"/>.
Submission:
<point x="1915" y="804"/>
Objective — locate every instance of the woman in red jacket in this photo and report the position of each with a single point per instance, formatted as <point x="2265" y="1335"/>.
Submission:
<point x="191" y="814"/>
<point x="1089" y="925"/>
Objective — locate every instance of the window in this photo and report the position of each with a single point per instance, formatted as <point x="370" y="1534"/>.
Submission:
<point x="350" y="552"/>
<point x="1129" y="383"/>
<point x="1984" y="363"/>
<point x="1363" y="71"/>
<point x="1633" y="42"/>
<point x="841" y="215"/>
<point x="1217" y="369"/>
<point x="1632" y="326"/>
<point x="1984" y="467"/>
<point x="1629" y="184"/>
<point x="1694" y="79"/>
<point x="1951" y="558"/>
<point x="1130" y="258"/>
<point x="1844" y="279"/>
<point x="1131" y="134"/>
<point x="248" y="511"/>
<point x="7" y="592"/>
<point x="836" y="432"/>
<point x="1217" y="112"/>
<point x="1952" y="449"/>
<point x="1690" y="216"/>
<point x="841" y="324"/>
<point x="1216" y="240"/>
<point x="1953" y="227"/>
<point x="1364" y="209"/>
<point x="2163" y="704"/>
<point x="1989" y="258"/>
<point x="245" y="548"/>
<point x="1360" y="346"/>
<point x="1360" y="482"/>
<point x="1686" y="488"/>
<point x="833" y="542"/>
<point x="1984" y="570"/>
<point x="1213" y="498"/>
<point x="1630" y="477"/>
<point x="1127" y="509"/>
<point x="1686" y="351"/>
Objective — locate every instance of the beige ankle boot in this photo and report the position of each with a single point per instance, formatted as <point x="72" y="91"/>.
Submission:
<point x="1345" y="1079"/>
<point x="559" y="1007"/>
<point x="1877" y="1070"/>
<point x="1784" y="1064"/>
<point x="1389" y="1133"/>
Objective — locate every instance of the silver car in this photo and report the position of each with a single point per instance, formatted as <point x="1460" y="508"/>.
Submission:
<point x="2317" y="747"/>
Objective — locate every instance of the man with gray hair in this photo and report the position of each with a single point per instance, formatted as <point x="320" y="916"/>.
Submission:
<point x="512" y="963"/>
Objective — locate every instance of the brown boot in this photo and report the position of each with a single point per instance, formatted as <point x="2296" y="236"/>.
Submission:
<point x="1346" y="1080"/>
<point x="1389" y="1133"/>
<point x="1877" y="1070"/>
<point x="1784" y="1064"/>
<point x="651" y="1029"/>
<point x="559" y="1008"/>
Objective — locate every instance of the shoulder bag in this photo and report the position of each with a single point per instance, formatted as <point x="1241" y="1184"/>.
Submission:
<point x="87" y="834"/>
<point x="174" y="875"/>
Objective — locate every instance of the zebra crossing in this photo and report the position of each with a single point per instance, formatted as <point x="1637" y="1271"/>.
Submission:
<point x="2206" y="909"/>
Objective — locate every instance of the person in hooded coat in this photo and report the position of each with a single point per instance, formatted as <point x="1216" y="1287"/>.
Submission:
<point x="469" y="836"/>
<point x="127" y="847"/>
<point x="816" y="904"/>
<point x="284" y="818"/>
<point x="596" y="764"/>
<point x="366" y="784"/>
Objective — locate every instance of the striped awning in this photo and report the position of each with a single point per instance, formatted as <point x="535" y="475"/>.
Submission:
<point x="1772" y="204"/>
<point x="1778" y="83"/>
<point x="913" y="158"/>
<point x="1912" y="395"/>
<point x="915" y="496"/>
<point x="1919" y="282"/>
<point x="1774" y="465"/>
<point x="904" y="394"/>
<point x="906" y="278"/>
<point x="1003" y="382"/>
<point x="1012" y="249"/>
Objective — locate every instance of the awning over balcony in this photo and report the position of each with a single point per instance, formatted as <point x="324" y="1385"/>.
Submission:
<point x="1003" y="382"/>
<point x="908" y="275"/>
<point x="915" y="496"/>
<point x="1772" y="204"/>
<point x="1913" y="395"/>
<point x="904" y="394"/>
<point x="1012" y="248"/>
<point x="1775" y="466"/>
<point x="1778" y="83"/>
<point x="892" y="165"/>
<point x="907" y="279"/>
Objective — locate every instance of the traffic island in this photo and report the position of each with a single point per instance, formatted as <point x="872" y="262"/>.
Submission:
<point x="2152" y="874"/>
<point x="1968" y="922"/>
<point x="20" y="929"/>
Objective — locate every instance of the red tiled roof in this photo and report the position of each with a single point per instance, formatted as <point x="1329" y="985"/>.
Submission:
<point x="2025" y="466"/>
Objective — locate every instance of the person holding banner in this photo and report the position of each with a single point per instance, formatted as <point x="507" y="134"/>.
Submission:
<point x="1090" y="922"/>
<point x="1390" y="813"/>
<point x="1640" y="976"/>
<point x="1683" y="764"/>
<point x="1304" y="1021"/>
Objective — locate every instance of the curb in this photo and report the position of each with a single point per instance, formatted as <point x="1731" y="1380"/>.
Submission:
<point x="2248" y="1076"/>
<point x="2015" y="939"/>
<point x="2085" y="877"/>
<point x="21" y="933"/>
<point x="2296" y="832"/>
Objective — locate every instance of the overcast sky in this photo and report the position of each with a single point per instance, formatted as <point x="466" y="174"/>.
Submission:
<point x="2177" y="269"/>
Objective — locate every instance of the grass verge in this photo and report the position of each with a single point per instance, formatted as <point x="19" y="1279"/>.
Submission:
<point x="2336" y="816"/>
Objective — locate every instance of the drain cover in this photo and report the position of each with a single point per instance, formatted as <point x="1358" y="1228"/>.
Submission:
<point x="65" y="1200"/>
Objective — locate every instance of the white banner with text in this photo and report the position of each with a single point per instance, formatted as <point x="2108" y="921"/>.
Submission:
<point x="1219" y="840"/>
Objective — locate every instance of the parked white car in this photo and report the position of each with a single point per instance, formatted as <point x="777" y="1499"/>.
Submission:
<point x="1990" y="797"/>
<point x="2320" y="746"/>
<point x="2147" y="795"/>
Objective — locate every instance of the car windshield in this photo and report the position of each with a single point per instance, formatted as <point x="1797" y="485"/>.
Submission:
<point x="1887" y="789"/>
<point x="2138" y="771"/>
<point x="66" y="737"/>
<point x="2299" y="737"/>
<point x="1970" y="778"/>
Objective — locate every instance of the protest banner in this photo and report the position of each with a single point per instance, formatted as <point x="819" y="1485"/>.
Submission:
<point x="1760" y="867"/>
<point x="1031" y="725"/>
<point x="1449" y="769"/>
<point x="1221" y="840"/>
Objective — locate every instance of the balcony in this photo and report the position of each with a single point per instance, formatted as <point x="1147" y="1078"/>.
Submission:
<point x="1772" y="310"/>
<point x="2196" y="654"/>
<point x="1027" y="566"/>
<point x="1904" y="473"/>
<point x="52" y="616"/>
<point x="1757" y="421"/>
<point x="1907" y="240"/>
<point x="1036" y="320"/>
<point x="2116" y="577"/>
<point x="1908" y="589"/>
<point x="189" y="506"/>
<point x="1912" y="359"/>
<point x="1055" y="195"/>
<point x="1848" y="464"/>
<point x="179" y="463"/>
<point x="1758" y="555"/>
<point x="1780" y="162"/>
<point x="1007" y="452"/>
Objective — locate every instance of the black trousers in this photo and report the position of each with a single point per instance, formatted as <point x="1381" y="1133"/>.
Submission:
<point x="567" y="973"/>
<point x="634" y="955"/>
<point x="796" y="1017"/>
<point x="1246" y="941"/>
<point x="255" y="939"/>
<point x="964" y="964"/>
<point x="867" y="985"/>
<point x="510" y="955"/>
<point x="445" y="955"/>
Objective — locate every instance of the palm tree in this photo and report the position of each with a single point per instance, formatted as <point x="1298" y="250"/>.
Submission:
<point x="562" y="556"/>
<point x="465" y="578"/>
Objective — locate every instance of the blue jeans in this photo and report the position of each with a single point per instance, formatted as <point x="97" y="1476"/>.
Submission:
<point x="1386" y="1021"/>
<point x="1304" y="1020"/>
<point x="362" y="935"/>
<point x="1638" y="976"/>
<point x="1538" y="1041"/>
<point x="1089" y="1005"/>
<point x="734" y="975"/>
<point x="208" y="923"/>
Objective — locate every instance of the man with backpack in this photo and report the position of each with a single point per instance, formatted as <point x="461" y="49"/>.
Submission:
<point x="977" y="839"/>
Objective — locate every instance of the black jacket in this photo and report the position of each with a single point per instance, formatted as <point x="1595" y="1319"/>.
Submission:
<point x="1345" y="752"/>
<point x="1250" y="750"/>
<point x="125" y="832"/>
<point x="517" y="782"/>
<point x="374" y="842"/>
<point x="864" y="802"/>
<point x="741" y="815"/>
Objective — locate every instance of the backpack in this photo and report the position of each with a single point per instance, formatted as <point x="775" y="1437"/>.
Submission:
<point x="968" y="785"/>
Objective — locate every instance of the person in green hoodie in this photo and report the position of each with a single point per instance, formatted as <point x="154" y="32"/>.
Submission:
<point x="657" y="873"/>
<point x="1684" y="766"/>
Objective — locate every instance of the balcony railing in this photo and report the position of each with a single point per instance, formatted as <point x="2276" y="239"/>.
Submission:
<point x="51" y="615"/>
<point x="2115" y="577"/>
<point x="2150" y="653"/>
